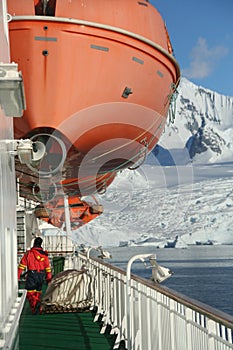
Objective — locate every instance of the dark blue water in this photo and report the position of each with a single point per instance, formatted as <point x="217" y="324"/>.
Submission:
<point x="204" y="273"/>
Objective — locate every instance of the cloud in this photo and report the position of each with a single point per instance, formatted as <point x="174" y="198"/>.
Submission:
<point x="204" y="59"/>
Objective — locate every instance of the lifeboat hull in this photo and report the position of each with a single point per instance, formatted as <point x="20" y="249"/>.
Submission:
<point x="96" y="79"/>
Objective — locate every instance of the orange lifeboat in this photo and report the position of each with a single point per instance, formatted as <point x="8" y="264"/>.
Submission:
<point x="80" y="212"/>
<point x="98" y="78"/>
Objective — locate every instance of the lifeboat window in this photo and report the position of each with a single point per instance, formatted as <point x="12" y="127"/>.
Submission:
<point x="45" y="7"/>
<point x="76" y="205"/>
<point x="138" y="60"/>
<point x="142" y="3"/>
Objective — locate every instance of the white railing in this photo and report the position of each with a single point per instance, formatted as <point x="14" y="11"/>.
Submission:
<point x="148" y="316"/>
<point x="9" y="329"/>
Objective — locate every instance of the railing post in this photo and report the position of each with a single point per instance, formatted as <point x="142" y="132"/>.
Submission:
<point x="211" y="328"/>
<point x="189" y="319"/>
<point x="172" y="324"/>
<point x="67" y="219"/>
<point x="160" y="321"/>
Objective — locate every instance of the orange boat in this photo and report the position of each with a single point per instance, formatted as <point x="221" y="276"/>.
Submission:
<point x="98" y="77"/>
<point x="81" y="212"/>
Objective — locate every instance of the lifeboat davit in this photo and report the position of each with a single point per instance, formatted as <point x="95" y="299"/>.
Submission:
<point x="98" y="77"/>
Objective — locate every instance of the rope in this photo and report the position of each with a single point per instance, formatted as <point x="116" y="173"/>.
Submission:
<point x="172" y="97"/>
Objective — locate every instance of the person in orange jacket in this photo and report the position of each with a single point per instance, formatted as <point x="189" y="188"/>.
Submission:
<point x="38" y="266"/>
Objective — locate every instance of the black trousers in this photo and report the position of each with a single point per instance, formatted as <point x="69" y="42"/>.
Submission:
<point x="35" y="280"/>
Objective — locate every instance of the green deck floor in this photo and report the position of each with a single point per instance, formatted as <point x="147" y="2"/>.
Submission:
<point x="66" y="331"/>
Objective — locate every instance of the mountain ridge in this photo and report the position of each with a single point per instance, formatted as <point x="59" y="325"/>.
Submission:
<point x="202" y="131"/>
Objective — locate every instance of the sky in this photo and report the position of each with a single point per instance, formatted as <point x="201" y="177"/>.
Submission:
<point x="201" y="33"/>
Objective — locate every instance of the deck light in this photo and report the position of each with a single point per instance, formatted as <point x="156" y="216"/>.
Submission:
<point x="26" y="150"/>
<point x="12" y="98"/>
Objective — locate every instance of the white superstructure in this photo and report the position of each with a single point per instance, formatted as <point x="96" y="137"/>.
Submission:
<point x="10" y="303"/>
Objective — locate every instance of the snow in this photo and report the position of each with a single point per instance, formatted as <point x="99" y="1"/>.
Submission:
<point x="192" y="201"/>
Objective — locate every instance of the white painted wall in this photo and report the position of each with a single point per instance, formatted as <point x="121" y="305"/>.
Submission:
<point x="9" y="301"/>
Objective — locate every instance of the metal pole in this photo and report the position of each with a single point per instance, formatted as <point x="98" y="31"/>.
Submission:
<point x="4" y="34"/>
<point x="67" y="220"/>
<point x="128" y="295"/>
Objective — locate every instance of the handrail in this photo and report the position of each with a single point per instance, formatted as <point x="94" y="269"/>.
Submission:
<point x="156" y="312"/>
<point x="10" y="328"/>
<point x="217" y="315"/>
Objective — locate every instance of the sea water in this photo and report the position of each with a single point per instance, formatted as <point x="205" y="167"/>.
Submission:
<point x="204" y="273"/>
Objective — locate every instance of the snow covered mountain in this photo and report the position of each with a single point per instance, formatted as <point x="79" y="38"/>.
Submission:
<point x="202" y="130"/>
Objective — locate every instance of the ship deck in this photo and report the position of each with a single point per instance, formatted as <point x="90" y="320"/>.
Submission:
<point x="66" y="331"/>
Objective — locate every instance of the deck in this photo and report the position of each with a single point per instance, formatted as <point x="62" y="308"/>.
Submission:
<point x="66" y="331"/>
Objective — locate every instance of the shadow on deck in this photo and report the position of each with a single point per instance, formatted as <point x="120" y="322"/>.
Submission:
<point x="66" y="331"/>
